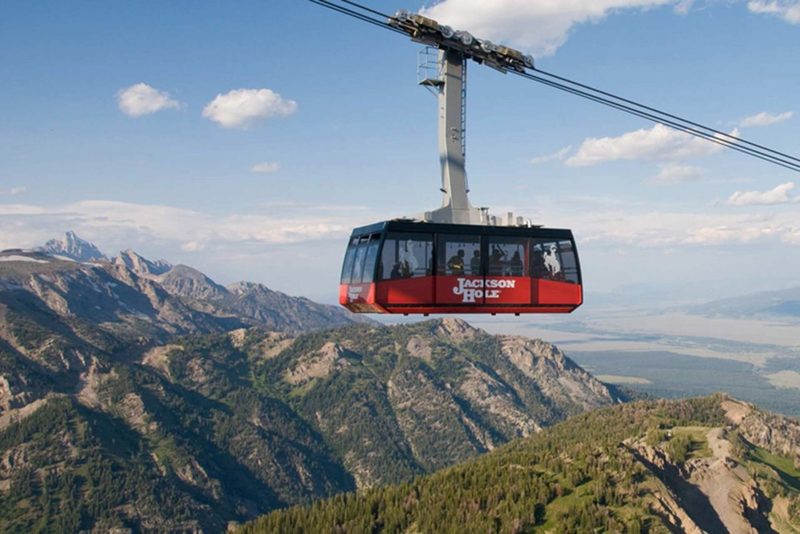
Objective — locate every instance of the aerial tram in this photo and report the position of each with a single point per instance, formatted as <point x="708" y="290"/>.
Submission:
<point x="459" y="258"/>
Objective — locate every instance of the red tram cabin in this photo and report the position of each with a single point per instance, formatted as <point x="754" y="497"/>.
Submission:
<point x="417" y="267"/>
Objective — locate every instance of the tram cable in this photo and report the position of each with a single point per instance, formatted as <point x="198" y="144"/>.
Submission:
<point x="714" y="138"/>
<point x="617" y="97"/>
<point x="365" y="8"/>
<point x="356" y="15"/>
<point x="606" y="98"/>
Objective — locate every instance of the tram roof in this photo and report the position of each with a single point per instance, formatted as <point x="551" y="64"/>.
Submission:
<point x="410" y="226"/>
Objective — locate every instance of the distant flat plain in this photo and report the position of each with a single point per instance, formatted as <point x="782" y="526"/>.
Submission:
<point x="676" y="354"/>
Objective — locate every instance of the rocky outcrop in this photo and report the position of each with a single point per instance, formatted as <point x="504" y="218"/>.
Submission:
<point x="712" y="491"/>
<point x="142" y="266"/>
<point x="778" y="435"/>
<point x="559" y="378"/>
<point x="320" y="364"/>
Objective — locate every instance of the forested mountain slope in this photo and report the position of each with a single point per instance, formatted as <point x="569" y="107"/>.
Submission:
<point x="703" y="465"/>
<point x="119" y="411"/>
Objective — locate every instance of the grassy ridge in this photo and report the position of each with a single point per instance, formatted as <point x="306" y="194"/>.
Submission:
<point x="575" y="476"/>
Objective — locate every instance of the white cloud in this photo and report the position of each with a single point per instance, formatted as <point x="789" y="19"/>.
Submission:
<point x="13" y="191"/>
<point x="193" y="246"/>
<point x="684" y="6"/>
<point x="778" y="195"/>
<point x="536" y="27"/>
<point x="665" y="229"/>
<point x="676" y="174"/>
<point x="186" y="229"/>
<point x="659" y="143"/>
<point x="555" y="156"/>
<point x="788" y="10"/>
<point x="765" y="119"/>
<point x="141" y="99"/>
<point x="267" y="167"/>
<point x="242" y="107"/>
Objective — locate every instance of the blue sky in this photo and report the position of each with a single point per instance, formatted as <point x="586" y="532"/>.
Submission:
<point x="327" y="108"/>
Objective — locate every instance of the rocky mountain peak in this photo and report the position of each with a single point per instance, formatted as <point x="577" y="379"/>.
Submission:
<point x="187" y="282"/>
<point x="141" y="265"/>
<point x="454" y="329"/>
<point x="73" y="247"/>
<point x="244" y="288"/>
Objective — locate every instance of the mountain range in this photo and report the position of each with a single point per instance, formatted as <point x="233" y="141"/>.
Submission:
<point x="784" y="303"/>
<point x="140" y="395"/>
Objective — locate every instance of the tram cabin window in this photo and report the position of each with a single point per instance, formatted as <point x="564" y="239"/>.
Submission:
<point x="458" y="255"/>
<point x="359" y="261"/>
<point x="508" y="256"/>
<point x="368" y="271"/>
<point x="406" y="256"/>
<point x="554" y="260"/>
<point x="349" y="259"/>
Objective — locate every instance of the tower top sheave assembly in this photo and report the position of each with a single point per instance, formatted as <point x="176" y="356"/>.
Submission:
<point x="429" y="32"/>
<point x="447" y="77"/>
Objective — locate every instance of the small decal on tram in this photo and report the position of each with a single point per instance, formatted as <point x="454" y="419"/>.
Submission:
<point x="354" y="292"/>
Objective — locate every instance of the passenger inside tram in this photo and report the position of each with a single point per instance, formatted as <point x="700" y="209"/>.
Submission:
<point x="496" y="261"/>
<point x="475" y="263"/>
<point x="515" y="265"/>
<point x="456" y="263"/>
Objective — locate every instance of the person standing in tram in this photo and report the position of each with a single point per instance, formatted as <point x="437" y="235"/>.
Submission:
<point x="456" y="263"/>
<point x="475" y="263"/>
<point x="515" y="265"/>
<point x="496" y="260"/>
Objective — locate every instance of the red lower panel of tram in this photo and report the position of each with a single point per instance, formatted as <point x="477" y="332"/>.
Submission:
<point x="462" y="294"/>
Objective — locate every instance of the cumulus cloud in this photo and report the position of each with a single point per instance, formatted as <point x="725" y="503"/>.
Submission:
<point x="241" y="108"/>
<point x="659" y="143"/>
<point x="765" y="119"/>
<point x="537" y="27"/>
<point x="788" y="10"/>
<point x="141" y="99"/>
<point x="778" y="195"/>
<point x="13" y="191"/>
<point x="267" y="167"/>
<point x="676" y="174"/>
<point x="555" y="156"/>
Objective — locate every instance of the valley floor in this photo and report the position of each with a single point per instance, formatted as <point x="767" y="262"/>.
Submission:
<point x="674" y="354"/>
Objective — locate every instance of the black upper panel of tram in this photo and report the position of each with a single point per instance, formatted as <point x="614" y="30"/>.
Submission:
<point x="400" y="225"/>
